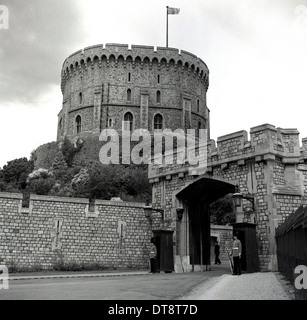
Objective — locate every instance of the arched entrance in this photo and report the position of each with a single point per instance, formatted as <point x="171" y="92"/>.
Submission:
<point x="193" y="232"/>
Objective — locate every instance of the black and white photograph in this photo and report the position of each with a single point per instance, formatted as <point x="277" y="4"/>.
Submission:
<point x="153" y="153"/>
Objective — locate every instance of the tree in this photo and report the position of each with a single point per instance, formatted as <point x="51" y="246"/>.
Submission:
<point x="69" y="150"/>
<point x="97" y="181"/>
<point x="44" y="155"/>
<point x="222" y="211"/>
<point x="15" y="173"/>
<point x="2" y="183"/>
<point x="41" y="181"/>
<point x="135" y="184"/>
<point x="59" y="162"/>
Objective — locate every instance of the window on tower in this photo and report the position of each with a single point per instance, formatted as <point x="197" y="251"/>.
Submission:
<point x="61" y="125"/>
<point x="158" y="122"/>
<point x="129" y="95"/>
<point x="78" y="124"/>
<point x="128" y="121"/>
<point x="158" y="98"/>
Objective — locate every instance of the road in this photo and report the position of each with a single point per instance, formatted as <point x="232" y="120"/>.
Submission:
<point x="162" y="286"/>
<point x="217" y="284"/>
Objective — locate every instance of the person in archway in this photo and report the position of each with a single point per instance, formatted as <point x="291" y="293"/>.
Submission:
<point x="217" y="253"/>
<point x="153" y="255"/>
<point x="236" y="251"/>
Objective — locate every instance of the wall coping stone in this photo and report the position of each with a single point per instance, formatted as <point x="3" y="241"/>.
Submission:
<point x="262" y="127"/>
<point x="36" y="197"/>
<point x="10" y="195"/>
<point x="288" y="130"/>
<point x="83" y="201"/>
<point x="119" y="203"/>
<point x="233" y="135"/>
<point x="220" y="227"/>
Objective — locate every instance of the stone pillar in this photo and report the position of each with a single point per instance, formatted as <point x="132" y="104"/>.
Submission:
<point x="182" y="254"/>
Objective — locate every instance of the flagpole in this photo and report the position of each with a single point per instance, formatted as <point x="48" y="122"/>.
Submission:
<point x="166" y="26"/>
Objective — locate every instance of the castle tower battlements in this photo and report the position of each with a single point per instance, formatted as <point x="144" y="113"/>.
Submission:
<point x="147" y="88"/>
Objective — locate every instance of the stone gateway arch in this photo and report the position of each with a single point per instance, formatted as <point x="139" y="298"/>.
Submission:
<point x="193" y="233"/>
<point x="269" y="166"/>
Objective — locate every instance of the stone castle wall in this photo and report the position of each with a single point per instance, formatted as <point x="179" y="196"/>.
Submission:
<point x="223" y="234"/>
<point x="95" y="83"/>
<point x="271" y="165"/>
<point x="114" y="234"/>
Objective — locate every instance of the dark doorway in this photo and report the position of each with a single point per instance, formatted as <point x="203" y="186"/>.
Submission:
<point x="163" y="241"/>
<point x="197" y="198"/>
<point x="199" y="233"/>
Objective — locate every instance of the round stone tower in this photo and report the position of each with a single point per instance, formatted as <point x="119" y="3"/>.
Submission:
<point x="114" y="86"/>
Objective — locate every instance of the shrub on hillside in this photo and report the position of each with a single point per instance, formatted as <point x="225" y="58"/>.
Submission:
<point x="40" y="181"/>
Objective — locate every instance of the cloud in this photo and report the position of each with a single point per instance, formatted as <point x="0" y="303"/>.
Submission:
<point x="40" y="36"/>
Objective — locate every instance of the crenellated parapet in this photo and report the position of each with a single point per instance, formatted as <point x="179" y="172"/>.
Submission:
<point x="268" y="166"/>
<point x="144" y="56"/>
<point x="265" y="142"/>
<point x="152" y="88"/>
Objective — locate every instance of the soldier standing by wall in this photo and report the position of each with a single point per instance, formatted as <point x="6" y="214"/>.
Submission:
<point x="236" y="251"/>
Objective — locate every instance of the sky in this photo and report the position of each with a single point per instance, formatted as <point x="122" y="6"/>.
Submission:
<point x="256" y="52"/>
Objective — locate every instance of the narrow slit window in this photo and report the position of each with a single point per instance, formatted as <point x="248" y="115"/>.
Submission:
<point x="78" y="124"/>
<point x="129" y="95"/>
<point x="121" y="230"/>
<point x="56" y="234"/>
<point x="158" y="98"/>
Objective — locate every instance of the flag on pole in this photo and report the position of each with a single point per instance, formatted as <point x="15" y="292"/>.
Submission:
<point x="173" y="10"/>
<point x="170" y="11"/>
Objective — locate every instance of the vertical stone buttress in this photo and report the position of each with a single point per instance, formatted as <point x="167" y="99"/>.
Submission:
<point x="144" y="109"/>
<point x="97" y="110"/>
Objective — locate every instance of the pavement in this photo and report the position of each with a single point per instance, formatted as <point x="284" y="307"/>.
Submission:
<point x="249" y="286"/>
<point x="219" y="283"/>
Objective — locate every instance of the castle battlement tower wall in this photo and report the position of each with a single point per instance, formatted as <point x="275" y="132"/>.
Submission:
<point x="269" y="164"/>
<point x="103" y="86"/>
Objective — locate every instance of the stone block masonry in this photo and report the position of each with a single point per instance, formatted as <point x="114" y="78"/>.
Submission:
<point x="115" y="234"/>
<point x="271" y="166"/>
<point x="102" y="84"/>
